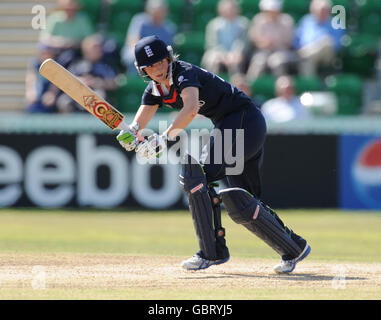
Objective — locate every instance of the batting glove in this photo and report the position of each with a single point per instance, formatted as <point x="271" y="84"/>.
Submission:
<point x="152" y="147"/>
<point x="128" y="138"/>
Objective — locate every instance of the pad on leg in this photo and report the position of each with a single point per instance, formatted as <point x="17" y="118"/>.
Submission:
<point x="221" y="248"/>
<point x="244" y="209"/>
<point x="193" y="182"/>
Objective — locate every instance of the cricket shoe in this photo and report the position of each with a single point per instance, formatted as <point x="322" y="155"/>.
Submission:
<point x="198" y="263"/>
<point x="287" y="266"/>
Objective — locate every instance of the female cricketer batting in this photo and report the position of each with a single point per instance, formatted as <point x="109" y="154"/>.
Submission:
<point x="193" y="90"/>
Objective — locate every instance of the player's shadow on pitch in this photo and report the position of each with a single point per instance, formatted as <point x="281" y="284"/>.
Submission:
<point x="293" y="277"/>
<point x="224" y="276"/>
<point x="287" y="277"/>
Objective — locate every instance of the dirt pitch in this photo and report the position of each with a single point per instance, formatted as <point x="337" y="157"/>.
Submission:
<point x="66" y="276"/>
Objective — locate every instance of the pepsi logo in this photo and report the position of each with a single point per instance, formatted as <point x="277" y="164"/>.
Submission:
<point x="366" y="173"/>
<point x="367" y="167"/>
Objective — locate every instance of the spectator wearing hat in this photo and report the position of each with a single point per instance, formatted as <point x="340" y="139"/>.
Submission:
<point x="271" y="34"/>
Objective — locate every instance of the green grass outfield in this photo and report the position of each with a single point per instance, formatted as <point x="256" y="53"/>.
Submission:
<point x="336" y="238"/>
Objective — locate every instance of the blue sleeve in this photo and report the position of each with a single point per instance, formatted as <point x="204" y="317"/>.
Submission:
<point x="337" y="35"/>
<point x="187" y="78"/>
<point x="297" y="35"/>
<point x="149" y="99"/>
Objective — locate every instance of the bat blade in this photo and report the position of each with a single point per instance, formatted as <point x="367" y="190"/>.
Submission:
<point x="82" y="94"/>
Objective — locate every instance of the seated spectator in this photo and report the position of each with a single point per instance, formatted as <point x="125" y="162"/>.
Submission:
<point x="225" y="38"/>
<point x="271" y="33"/>
<point x="151" y="22"/>
<point x="38" y="94"/>
<point x="92" y="71"/>
<point x="316" y="41"/>
<point x="66" y="27"/>
<point x="286" y="106"/>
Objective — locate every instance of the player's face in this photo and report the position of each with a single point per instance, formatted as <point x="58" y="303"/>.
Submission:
<point x="158" y="71"/>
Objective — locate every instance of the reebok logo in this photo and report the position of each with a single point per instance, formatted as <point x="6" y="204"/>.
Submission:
<point x="148" y="50"/>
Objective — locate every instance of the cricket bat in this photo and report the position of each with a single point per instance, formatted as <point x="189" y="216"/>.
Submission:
<point x="83" y="95"/>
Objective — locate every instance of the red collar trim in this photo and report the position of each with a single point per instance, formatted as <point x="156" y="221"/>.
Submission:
<point x="171" y="100"/>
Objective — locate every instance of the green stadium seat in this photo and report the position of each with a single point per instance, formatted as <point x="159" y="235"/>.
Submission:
<point x="129" y="102"/>
<point x="359" y="54"/>
<point x="199" y="6"/>
<point x="118" y="26"/>
<point x="176" y="11"/>
<point x="202" y="12"/>
<point x="301" y="6"/>
<point x="201" y="20"/>
<point x="92" y="9"/>
<point x="190" y="46"/>
<point x="348" y="89"/>
<point x="128" y="96"/>
<point x="134" y="84"/>
<point x="307" y="84"/>
<point x="370" y="24"/>
<point x="177" y="20"/>
<point x="249" y="8"/>
<point x="193" y="41"/>
<point x="366" y="7"/>
<point x="120" y="15"/>
<point x="133" y="6"/>
<point x="347" y="4"/>
<point x="348" y="83"/>
<point x="347" y="105"/>
<point x="297" y="8"/>
<point x="120" y="21"/>
<point x="176" y="6"/>
<point x="263" y="88"/>
<point x="192" y="57"/>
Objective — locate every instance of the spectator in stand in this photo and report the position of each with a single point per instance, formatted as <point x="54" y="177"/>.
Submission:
<point x="271" y="34"/>
<point x="225" y="39"/>
<point x="92" y="71"/>
<point x="316" y="41"/>
<point x="151" y="22"/>
<point x="65" y="28"/>
<point x="286" y="106"/>
<point x="38" y="90"/>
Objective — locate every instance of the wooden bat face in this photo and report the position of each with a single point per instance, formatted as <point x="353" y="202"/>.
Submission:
<point x="82" y="94"/>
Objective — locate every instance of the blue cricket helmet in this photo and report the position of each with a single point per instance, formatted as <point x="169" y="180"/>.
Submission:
<point x="150" y="50"/>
